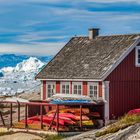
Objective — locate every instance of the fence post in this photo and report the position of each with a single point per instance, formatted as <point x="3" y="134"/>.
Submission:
<point x="26" y="116"/>
<point x="57" y="125"/>
<point x="2" y="119"/>
<point x="18" y="112"/>
<point x="11" y="117"/>
<point x="81" y="126"/>
<point x="41" y="113"/>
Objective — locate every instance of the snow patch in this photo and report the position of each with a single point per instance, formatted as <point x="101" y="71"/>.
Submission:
<point x="21" y="78"/>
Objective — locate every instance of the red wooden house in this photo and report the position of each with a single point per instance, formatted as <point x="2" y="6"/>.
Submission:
<point x="102" y="67"/>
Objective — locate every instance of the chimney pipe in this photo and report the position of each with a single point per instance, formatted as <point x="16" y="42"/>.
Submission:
<point x="93" y="33"/>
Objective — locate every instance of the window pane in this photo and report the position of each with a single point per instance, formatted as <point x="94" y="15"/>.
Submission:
<point x="63" y="90"/>
<point x="138" y="60"/>
<point x="49" y="86"/>
<point x="67" y="91"/>
<point x="63" y="86"/>
<point x="95" y="94"/>
<point x="67" y="86"/>
<point x="75" y="87"/>
<point x="91" y="93"/>
<point x="91" y="87"/>
<point x="79" y="92"/>
<point x="95" y="87"/>
<point x="75" y="91"/>
<point x="79" y="87"/>
<point x="49" y="90"/>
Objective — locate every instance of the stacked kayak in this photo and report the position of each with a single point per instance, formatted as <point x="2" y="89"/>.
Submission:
<point x="69" y="118"/>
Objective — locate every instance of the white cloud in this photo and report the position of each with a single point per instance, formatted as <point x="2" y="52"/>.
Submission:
<point x="33" y="49"/>
<point x="112" y="1"/>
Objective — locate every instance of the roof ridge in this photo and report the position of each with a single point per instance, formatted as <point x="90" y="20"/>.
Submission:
<point x="120" y="34"/>
<point x="130" y="34"/>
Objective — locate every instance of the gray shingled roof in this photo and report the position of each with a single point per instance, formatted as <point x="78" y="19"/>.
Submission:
<point x="82" y="58"/>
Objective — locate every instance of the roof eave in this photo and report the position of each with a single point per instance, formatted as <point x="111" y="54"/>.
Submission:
<point x="77" y="80"/>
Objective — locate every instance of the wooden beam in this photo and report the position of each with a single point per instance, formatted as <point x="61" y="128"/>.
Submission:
<point x="52" y="120"/>
<point x="26" y="116"/>
<point x="2" y="118"/>
<point x="11" y="116"/>
<point x="81" y="126"/>
<point x="18" y="112"/>
<point x="57" y="124"/>
<point x="41" y="114"/>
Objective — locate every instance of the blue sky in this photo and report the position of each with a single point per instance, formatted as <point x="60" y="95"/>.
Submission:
<point x="42" y="27"/>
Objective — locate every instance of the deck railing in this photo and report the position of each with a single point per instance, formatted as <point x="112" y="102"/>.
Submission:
<point x="43" y="108"/>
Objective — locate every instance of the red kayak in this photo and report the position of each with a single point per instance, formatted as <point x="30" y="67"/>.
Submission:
<point x="134" y="112"/>
<point x="64" y="117"/>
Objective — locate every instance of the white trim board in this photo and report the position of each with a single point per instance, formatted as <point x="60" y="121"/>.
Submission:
<point x="74" y="80"/>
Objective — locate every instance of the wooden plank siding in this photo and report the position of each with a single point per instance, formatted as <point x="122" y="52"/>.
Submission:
<point x="124" y="87"/>
<point x="85" y="88"/>
<point x="57" y="86"/>
<point x="100" y="89"/>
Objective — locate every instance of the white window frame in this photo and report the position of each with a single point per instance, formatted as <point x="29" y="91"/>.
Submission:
<point x="136" y="56"/>
<point x="65" y="83"/>
<point x="93" y="84"/>
<point x="77" y="83"/>
<point x="50" y="83"/>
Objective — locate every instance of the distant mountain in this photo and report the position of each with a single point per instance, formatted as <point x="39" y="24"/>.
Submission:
<point x="31" y="64"/>
<point x="11" y="60"/>
<point x="20" y="78"/>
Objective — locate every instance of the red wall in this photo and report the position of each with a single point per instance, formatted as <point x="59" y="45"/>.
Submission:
<point x="84" y="88"/>
<point x="100" y="89"/>
<point x="57" y="86"/>
<point x="124" y="87"/>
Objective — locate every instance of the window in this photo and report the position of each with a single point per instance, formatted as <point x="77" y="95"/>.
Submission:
<point x="77" y="88"/>
<point x="50" y="89"/>
<point x="65" y="87"/>
<point x="138" y="56"/>
<point x="93" y="90"/>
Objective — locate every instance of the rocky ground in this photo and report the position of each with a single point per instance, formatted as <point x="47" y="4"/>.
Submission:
<point x="130" y="133"/>
<point x="20" y="136"/>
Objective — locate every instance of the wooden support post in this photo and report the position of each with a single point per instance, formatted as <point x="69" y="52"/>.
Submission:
<point x="103" y="115"/>
<point x="26" y="116"/>
<point x="11" y="116"/>
<point x="41" y="113"/>
<point x="52" y="120"/>
<point x="57" y="124"/>
<point x="2" y="118"/>
<point x="81" y="126"/>
<point x="18" y="112"/>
